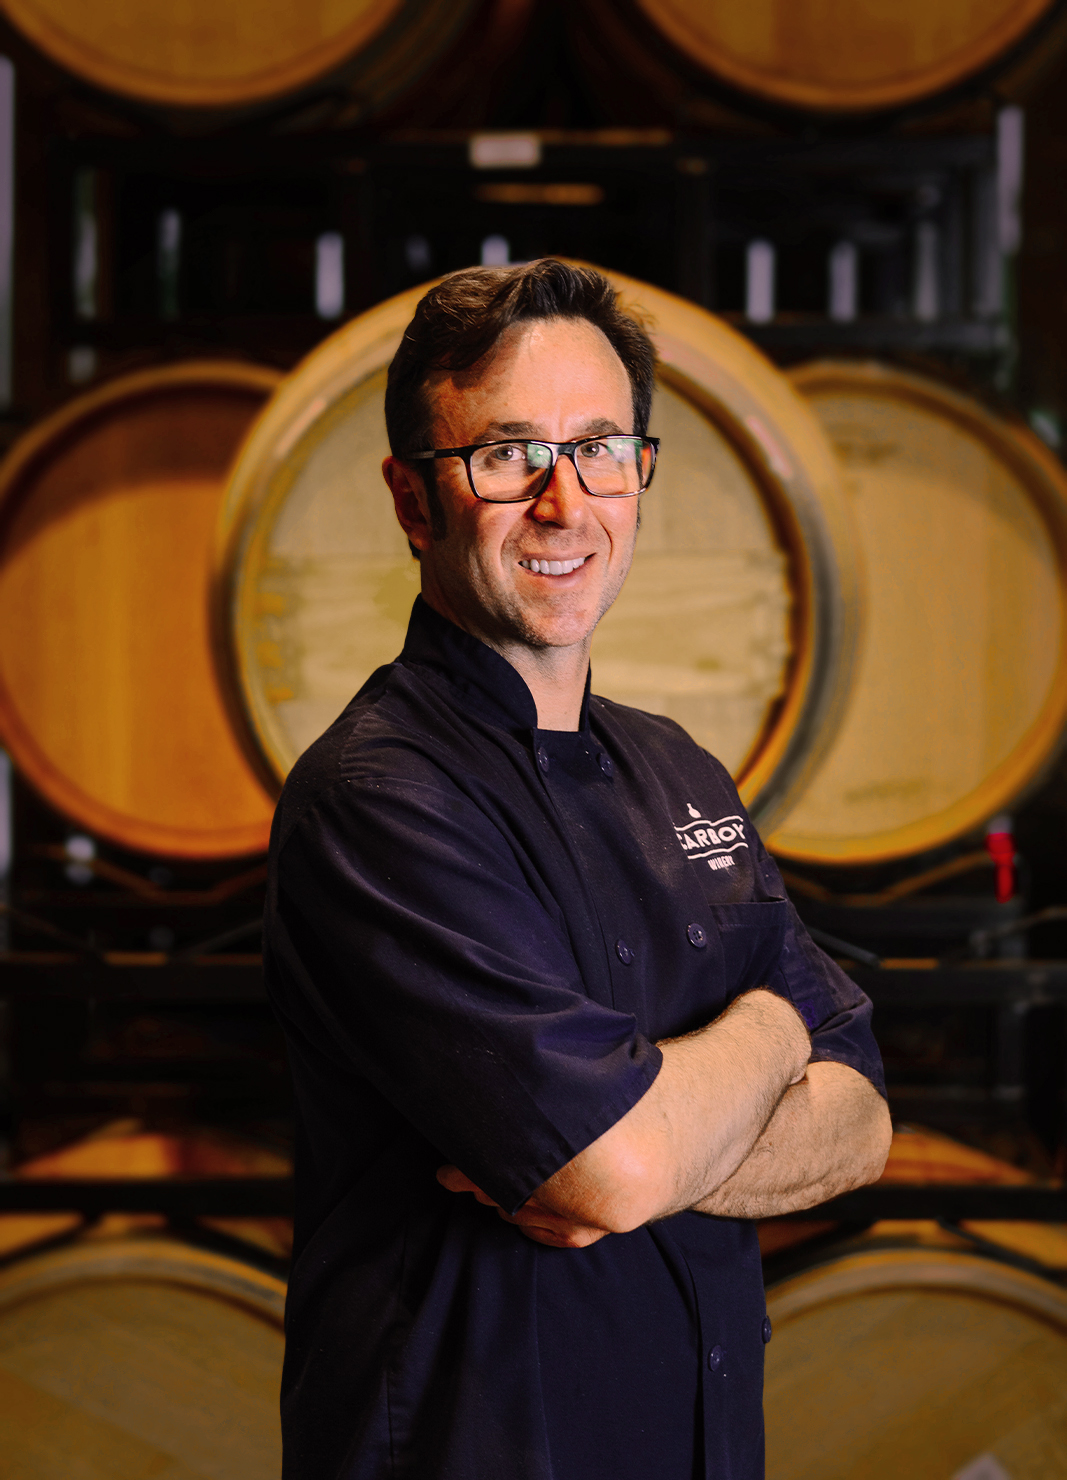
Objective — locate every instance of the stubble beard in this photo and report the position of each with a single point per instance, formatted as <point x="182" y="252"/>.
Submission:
<point x="498" y="616"/>
<point x="518" y="624"/>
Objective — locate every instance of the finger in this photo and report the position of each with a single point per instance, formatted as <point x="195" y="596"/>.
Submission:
<point x="549" y="1228"/>
<point x="528" y="1217"/>
<point x="456" y="1181"/>
<point x="581" y="1238"/>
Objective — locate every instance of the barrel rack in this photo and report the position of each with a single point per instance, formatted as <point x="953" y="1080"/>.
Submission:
<point x="924" y="227"/>
<point x="123" y="977"/>
<point x="916" y="218"/>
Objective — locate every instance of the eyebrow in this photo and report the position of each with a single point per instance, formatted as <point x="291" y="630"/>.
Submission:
<point x="598" y="426"/>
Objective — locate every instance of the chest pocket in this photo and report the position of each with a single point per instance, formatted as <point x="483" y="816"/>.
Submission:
<point x="751" y="936"/>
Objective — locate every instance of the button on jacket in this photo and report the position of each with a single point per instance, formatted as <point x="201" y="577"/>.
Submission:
<point x="476" y="932"/>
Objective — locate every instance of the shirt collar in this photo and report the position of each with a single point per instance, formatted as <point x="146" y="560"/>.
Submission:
<point x="474" y="668"/>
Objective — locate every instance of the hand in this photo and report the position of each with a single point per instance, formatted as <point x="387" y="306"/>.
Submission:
<point x="532" y="1219"/>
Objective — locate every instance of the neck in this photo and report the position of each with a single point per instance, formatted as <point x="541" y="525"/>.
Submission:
<point x="555" y="676"/>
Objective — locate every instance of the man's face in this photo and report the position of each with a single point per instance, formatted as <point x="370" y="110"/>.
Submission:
<point x="556" y="379"/>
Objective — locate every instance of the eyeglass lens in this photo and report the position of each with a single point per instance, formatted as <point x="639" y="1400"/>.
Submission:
<point x="610" y="467"/>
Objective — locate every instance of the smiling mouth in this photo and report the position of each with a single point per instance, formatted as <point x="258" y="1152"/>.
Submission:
<point x="553" y="567"/>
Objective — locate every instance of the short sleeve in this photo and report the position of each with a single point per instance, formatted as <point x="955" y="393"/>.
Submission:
<point x="836" y="1011"/>
<point x="408" y="932"/>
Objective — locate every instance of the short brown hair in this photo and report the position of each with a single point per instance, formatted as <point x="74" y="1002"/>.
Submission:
<point x="459" y="322"/>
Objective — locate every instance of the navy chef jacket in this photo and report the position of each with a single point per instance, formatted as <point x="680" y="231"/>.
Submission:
<point x="476" y="932"/>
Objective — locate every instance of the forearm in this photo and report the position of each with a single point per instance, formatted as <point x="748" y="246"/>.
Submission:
<point x="715" y="1093"/>
<point x="697" y="1123"/>
<point x="828" y="1134"/>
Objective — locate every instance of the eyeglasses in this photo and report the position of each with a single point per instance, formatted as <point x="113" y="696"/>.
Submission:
<point x="511" y="472"/>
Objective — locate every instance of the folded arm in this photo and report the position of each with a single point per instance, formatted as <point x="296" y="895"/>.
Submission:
<point x="714" y="1095"/>
<point x="829" y="1134"/>
<point x="736" y="1124"/>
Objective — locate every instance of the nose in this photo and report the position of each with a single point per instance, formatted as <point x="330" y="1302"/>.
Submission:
<point x="563" y="501"/>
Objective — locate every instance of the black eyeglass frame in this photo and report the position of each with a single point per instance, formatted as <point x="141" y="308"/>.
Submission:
<point x="558" y="450"/>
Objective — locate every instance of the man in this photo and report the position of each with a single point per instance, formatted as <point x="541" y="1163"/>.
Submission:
<point x="548" y="1062"/>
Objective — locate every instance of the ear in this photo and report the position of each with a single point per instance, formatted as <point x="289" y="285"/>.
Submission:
<point x="409" y="500"/>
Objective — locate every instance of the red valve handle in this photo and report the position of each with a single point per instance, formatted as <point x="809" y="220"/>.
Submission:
<point x="1001" y="846"/>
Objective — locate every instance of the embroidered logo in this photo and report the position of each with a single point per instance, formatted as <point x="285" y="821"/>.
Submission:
<point x="716" y="841"/>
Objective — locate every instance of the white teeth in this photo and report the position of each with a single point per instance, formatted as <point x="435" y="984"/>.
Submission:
<point x="552" y="567"/>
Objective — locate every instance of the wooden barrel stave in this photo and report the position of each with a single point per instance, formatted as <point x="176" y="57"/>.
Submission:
<point x="127" y="1358"/>
<point x="314" y="579"/>
<point x="109" y="702"/>
<point x="922" y="1360"/>
<point x="125" y="1353"/>
<point x="126" y="1149"/>
<point x="925" y="1356"/>
<point x="960" y="695"/>
<point x="137" y="1355"/>
<point x="224" y="56"/>
<point x="921" y="1157"/>
<point x="824" y="58"/>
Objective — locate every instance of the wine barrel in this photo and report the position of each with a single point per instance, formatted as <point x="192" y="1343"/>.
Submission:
<point x="136" y="1357"/>
<point x="805" y="54"/>
<point x="126" y="1149"/>
<point x="915" y="1361"/>
<point x="923" y="1157"/>
<point x="960" y="694"/>
<point x="232" y="53"/>
<point x="109" y="702"/>
<point x="738" y="618"/>
<point x="925" y="1355"/>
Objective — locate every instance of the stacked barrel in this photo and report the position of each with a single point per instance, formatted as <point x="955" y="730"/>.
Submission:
<point x="850" y="584"/>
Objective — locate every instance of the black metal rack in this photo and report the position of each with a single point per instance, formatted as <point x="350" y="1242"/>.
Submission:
<point x="677" y="210"/>
<point x="1012" y="987"/>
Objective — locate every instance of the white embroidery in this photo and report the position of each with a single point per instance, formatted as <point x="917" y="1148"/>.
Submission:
<point x="701" y="838"/>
